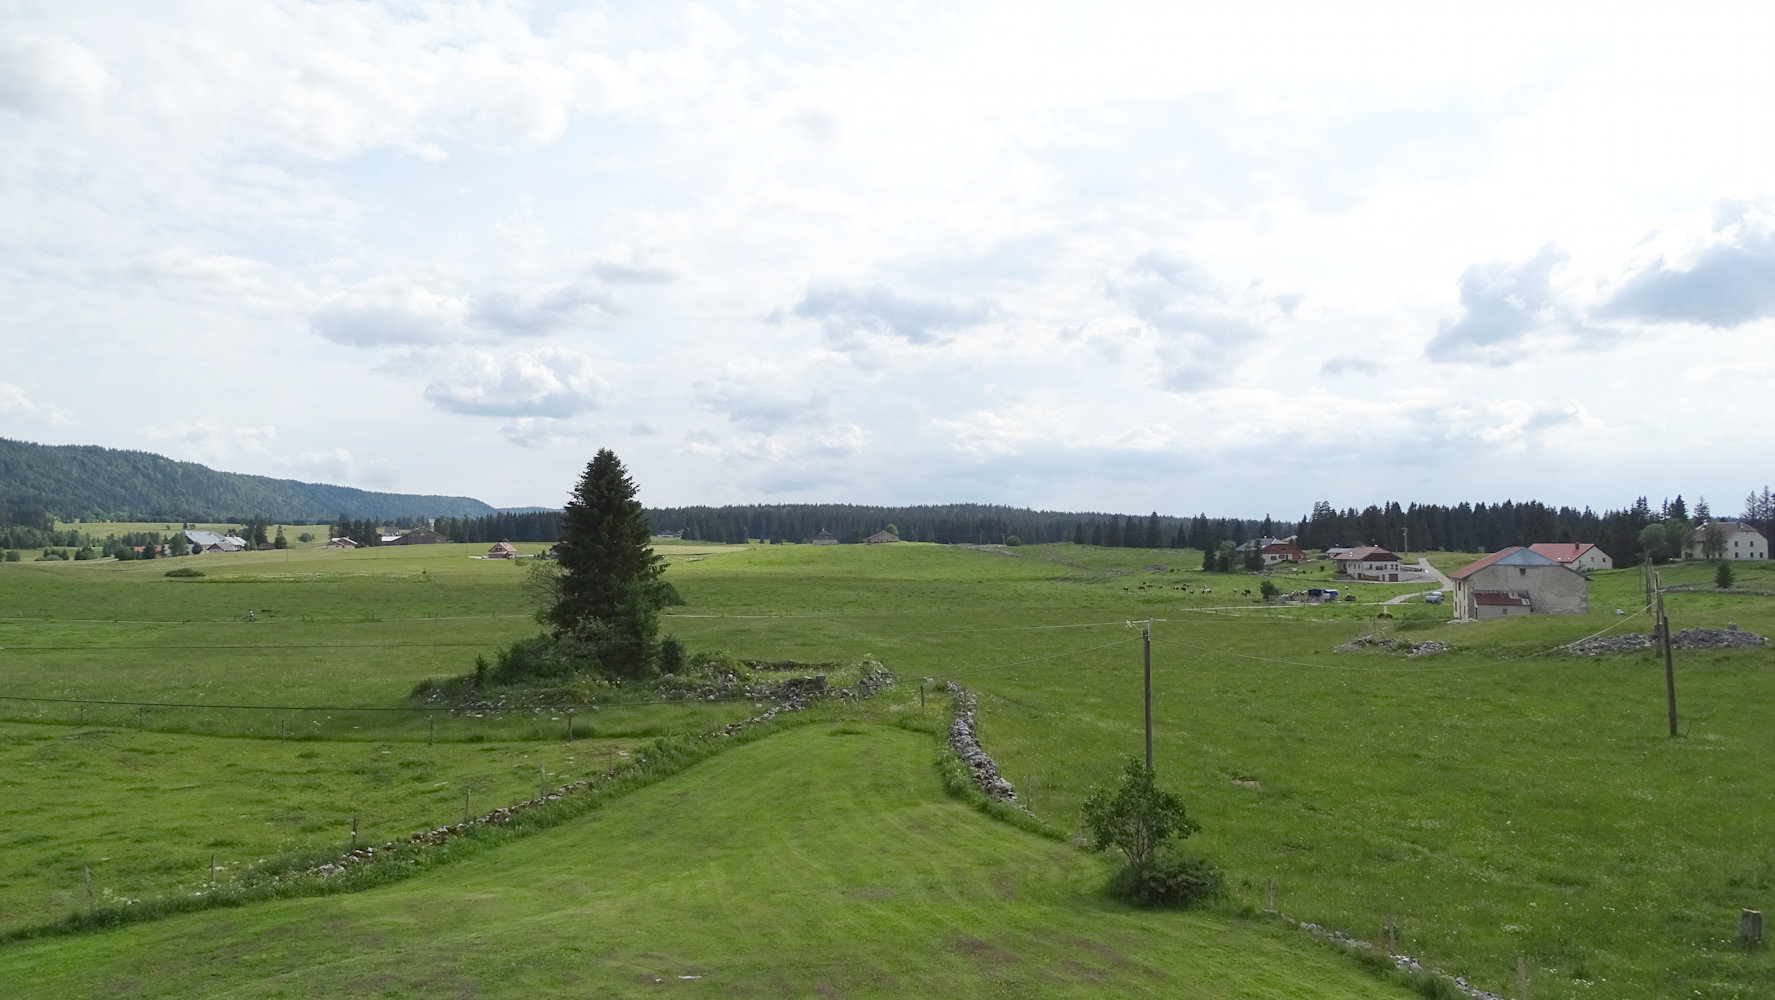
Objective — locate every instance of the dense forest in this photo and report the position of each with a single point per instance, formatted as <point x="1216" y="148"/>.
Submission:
<point x="1475" y="527"/>
<point x="86" y="482"/>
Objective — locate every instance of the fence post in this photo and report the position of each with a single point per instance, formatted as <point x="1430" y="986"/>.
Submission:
<point x="1521" y="978"/>
<point x="1750" y="927"/>
<point x="570" y="725"/>
<point x="87" y="874"/>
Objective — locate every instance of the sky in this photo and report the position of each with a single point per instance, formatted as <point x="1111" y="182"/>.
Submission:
<point x="1232" y="258"/>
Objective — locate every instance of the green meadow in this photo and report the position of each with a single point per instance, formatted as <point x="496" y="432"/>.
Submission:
<point x="1498" y="800"/>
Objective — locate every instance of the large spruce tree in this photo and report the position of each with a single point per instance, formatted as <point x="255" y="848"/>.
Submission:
<point x="609" y="591"/>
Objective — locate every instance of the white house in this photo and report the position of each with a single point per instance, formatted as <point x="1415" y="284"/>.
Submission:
<point x="1369" y="562"/>
<point x="1739" y="541"/>
<point x="1581" y="556"/>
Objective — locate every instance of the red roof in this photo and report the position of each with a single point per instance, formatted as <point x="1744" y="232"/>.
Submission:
<point x="1367" y="553"/>
<point x="1474" y="567"/>
<point x="1562" y="552"/>
<point x="1501" y="599"/>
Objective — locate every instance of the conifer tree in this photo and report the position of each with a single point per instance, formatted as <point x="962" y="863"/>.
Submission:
<point x="609" y="592"/>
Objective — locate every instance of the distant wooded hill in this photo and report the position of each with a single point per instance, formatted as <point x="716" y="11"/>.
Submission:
<point x="93" y="483"/>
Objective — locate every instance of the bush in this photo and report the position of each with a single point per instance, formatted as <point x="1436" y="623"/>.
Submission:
<point x="1722" y="577"/>
<point x="671" y="655"/>
<point x="1169" y="880"/>
<point x="184" y="571"/>
<point x="12" y="555"/>
<point x="1268" y="589"/>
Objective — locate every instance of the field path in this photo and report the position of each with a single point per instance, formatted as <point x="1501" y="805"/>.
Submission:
<point x="1443" y="583"/>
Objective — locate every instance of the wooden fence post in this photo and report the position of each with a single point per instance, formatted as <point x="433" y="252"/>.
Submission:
<point x="1750" y="927"/>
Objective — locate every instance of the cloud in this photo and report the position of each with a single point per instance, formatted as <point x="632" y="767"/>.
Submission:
<point x="39" y="75"/>
<point x="548" y="382"/>
<point x="1202" y="332"/>
<point x="1348" y="363"/>
<point x="396" y="310"/>
<point x="848" y="313"/>
<point x="1727" y="282"/>
<point x="1509" y="310"/>
<point x="758" y="397"/>
<point x="540" y="310"/>
<point x="537" y="432"/>
<point x="16" y="404"/>
<point x="390" y="309"/>
<point x="210" y="441"/>
<point x="336" y="466"/>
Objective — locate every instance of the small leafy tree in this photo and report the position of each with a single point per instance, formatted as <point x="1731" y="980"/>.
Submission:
<point x="1136" y="818"/>
<point x="1268" y="589"/>
<point x="1722" y="577"/>
<point x="1140" y="820"/>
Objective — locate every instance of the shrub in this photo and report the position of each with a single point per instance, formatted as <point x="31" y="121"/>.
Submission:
<point x="184" y="571"/>
<point x="12" y="555"/>
<point x="1722" y="577"/>
<point x="1169" y="880"/>
<point x="671" y="655"/>
<point x="1138" y="818"/>
<point x="1268" y="589"/>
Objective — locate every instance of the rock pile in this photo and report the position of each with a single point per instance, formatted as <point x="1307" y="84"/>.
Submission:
<point x="966" y="744"/>
<point x="1730" y="637"/>
<point x="1428" y="647"/>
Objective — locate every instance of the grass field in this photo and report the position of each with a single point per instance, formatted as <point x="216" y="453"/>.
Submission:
<point x="1500" y="799"/>
<point x="718" y="883"/>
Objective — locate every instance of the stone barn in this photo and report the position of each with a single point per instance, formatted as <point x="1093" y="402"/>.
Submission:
<point x="1517" y="580"/>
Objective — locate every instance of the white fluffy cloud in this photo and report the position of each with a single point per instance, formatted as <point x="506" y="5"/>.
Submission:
<point x="547" y="382"/>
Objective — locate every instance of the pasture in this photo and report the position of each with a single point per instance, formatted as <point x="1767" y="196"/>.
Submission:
<point x="1500" y="799"/>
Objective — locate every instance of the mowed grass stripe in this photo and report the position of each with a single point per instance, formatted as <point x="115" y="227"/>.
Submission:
<point x="819" y="862"/>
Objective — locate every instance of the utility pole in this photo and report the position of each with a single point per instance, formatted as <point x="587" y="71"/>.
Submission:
<point x="1669" y="667"/>
<point x="1146" y="636"/>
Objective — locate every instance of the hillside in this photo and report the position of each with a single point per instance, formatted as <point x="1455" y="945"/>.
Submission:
<point x="90" y="482"/>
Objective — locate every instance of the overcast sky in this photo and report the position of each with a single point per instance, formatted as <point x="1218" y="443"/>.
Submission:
<point x="1227" y="257"/>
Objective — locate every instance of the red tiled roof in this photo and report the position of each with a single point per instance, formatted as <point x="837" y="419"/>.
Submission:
<point x="1474" y="567"/>
<point x="1501" y="599"/>
<point x="1561" y="552"/>
<point x="1366" y="553"/>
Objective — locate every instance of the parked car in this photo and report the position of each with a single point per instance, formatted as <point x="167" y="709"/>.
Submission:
<point x="1433" y="597"/>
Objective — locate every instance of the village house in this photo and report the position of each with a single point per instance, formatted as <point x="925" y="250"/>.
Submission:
<point x="1518" y="580"/>
<point x="1737" y="539"/>
<point x="1277" y="552"/>
<point x="825" y="538"/>
<point x="1369" y="562"/>
<point x="882" y="537"/>
<point x="1581" y="556"/>
<point x="210" y="541"/>
<point x="502" y="550"/>
<point x="418" y="536"/>
<point x="340" y="543"/>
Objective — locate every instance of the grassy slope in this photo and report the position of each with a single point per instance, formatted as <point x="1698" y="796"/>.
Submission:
<point x="1492" y="801"/>
<point x="730" y="880"/>
<point x="146" y="812"/>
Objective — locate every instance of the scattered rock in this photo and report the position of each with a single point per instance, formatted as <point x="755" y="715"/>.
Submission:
<point x="1428" y="647"/>
<point x="1730" y="637"/>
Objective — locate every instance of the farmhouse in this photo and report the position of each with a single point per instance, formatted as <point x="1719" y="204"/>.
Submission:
<point x="1737" y="539"/>
<point x="1581" y="556"/>
<point x="418" y="536"/>
<point x="1369" y="562"/>
<point x="825" y="538"/>
<point x="1276" y="552"/>
<point x="210" y="541"/>
<point x="882" y="537"/>
<point x="1518" y="580"/>
<point x="340" y="543"/>
<point x="502" y="550"/>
